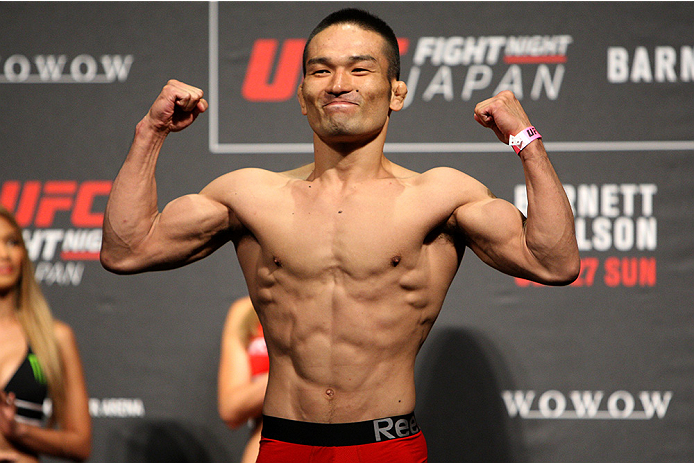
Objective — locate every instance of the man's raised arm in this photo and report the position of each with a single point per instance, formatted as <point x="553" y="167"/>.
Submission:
<point x="542" y="247"/>
<point x="136" y="237"/>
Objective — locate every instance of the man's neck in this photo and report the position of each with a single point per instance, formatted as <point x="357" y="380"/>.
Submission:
<point x="350" y="162"/>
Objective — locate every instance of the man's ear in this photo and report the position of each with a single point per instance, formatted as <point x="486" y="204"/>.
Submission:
<point x="300" y="97"/>
<point x="399" y="92"/>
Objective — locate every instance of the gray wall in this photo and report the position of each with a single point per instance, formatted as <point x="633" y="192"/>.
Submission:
<point x="599" y="371"/>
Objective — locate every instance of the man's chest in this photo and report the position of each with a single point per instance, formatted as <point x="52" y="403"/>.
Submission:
<point x="359" y="234"/>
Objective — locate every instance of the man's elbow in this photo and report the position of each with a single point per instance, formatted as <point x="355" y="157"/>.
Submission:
<point x="116" y="262"/>
<point x="566" y="273"/>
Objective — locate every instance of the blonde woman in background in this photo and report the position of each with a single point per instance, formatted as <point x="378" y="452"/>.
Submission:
<point x="243" y="368"/>
<point x="39" y="359"/>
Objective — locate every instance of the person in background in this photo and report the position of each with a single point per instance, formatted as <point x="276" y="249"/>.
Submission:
<point x="39" y="359"/>
<point x="243" y="373"/>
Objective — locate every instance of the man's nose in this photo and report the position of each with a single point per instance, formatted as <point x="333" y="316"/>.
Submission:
<point x="341" y="82"/>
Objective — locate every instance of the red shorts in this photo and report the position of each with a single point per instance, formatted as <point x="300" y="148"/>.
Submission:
<point x="386" y="440"/>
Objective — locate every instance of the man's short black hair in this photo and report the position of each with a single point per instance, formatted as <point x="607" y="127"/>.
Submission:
<point x="366" y="21"/>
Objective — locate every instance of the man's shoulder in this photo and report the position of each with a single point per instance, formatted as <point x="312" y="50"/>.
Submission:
<point x="444" y="175"/>
<point x="256" y="176"/>
<point x="433" y="174"/>
<point x="300" y="173"/>
<point x="450" y="186"/>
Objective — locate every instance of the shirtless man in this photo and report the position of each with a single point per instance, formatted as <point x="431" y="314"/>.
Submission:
<point x="347" y="260"/>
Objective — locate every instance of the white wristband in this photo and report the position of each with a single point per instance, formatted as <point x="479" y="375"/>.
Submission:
<point x="523" y="138"/>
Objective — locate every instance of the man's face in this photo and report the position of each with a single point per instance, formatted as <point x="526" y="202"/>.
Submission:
<point x="346" y="93"/>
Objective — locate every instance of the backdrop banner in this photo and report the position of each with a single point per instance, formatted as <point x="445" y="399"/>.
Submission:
<point x="599" y="371"/>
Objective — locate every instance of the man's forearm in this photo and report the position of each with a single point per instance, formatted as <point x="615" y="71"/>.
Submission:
<point x="132" y="205"/>
<point x="550" y="230"/>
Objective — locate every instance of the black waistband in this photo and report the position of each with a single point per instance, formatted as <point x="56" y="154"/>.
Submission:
<point x="339" y="434"/>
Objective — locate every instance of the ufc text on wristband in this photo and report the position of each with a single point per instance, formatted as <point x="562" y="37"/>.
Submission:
<point x="523" y="138"/>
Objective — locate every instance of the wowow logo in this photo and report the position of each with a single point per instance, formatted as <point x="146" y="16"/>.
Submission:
<point x="57" y="69"/>
<point x="587" y="405"/>
<point x="41" y="207"/>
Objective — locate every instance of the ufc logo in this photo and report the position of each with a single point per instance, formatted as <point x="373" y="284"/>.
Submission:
<point x="40" y="202"/>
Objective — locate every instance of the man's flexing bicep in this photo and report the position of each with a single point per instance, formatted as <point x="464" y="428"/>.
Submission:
<point x="495" y="231"/>
<point x="187" y="229"/>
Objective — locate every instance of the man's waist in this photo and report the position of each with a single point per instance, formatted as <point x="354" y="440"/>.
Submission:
<point x="340" y="434"/>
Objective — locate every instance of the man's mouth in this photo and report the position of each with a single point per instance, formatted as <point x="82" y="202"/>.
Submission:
<point x="340" y="102"/>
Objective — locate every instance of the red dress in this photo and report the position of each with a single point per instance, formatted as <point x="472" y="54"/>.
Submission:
<point x="257" y="354"/>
